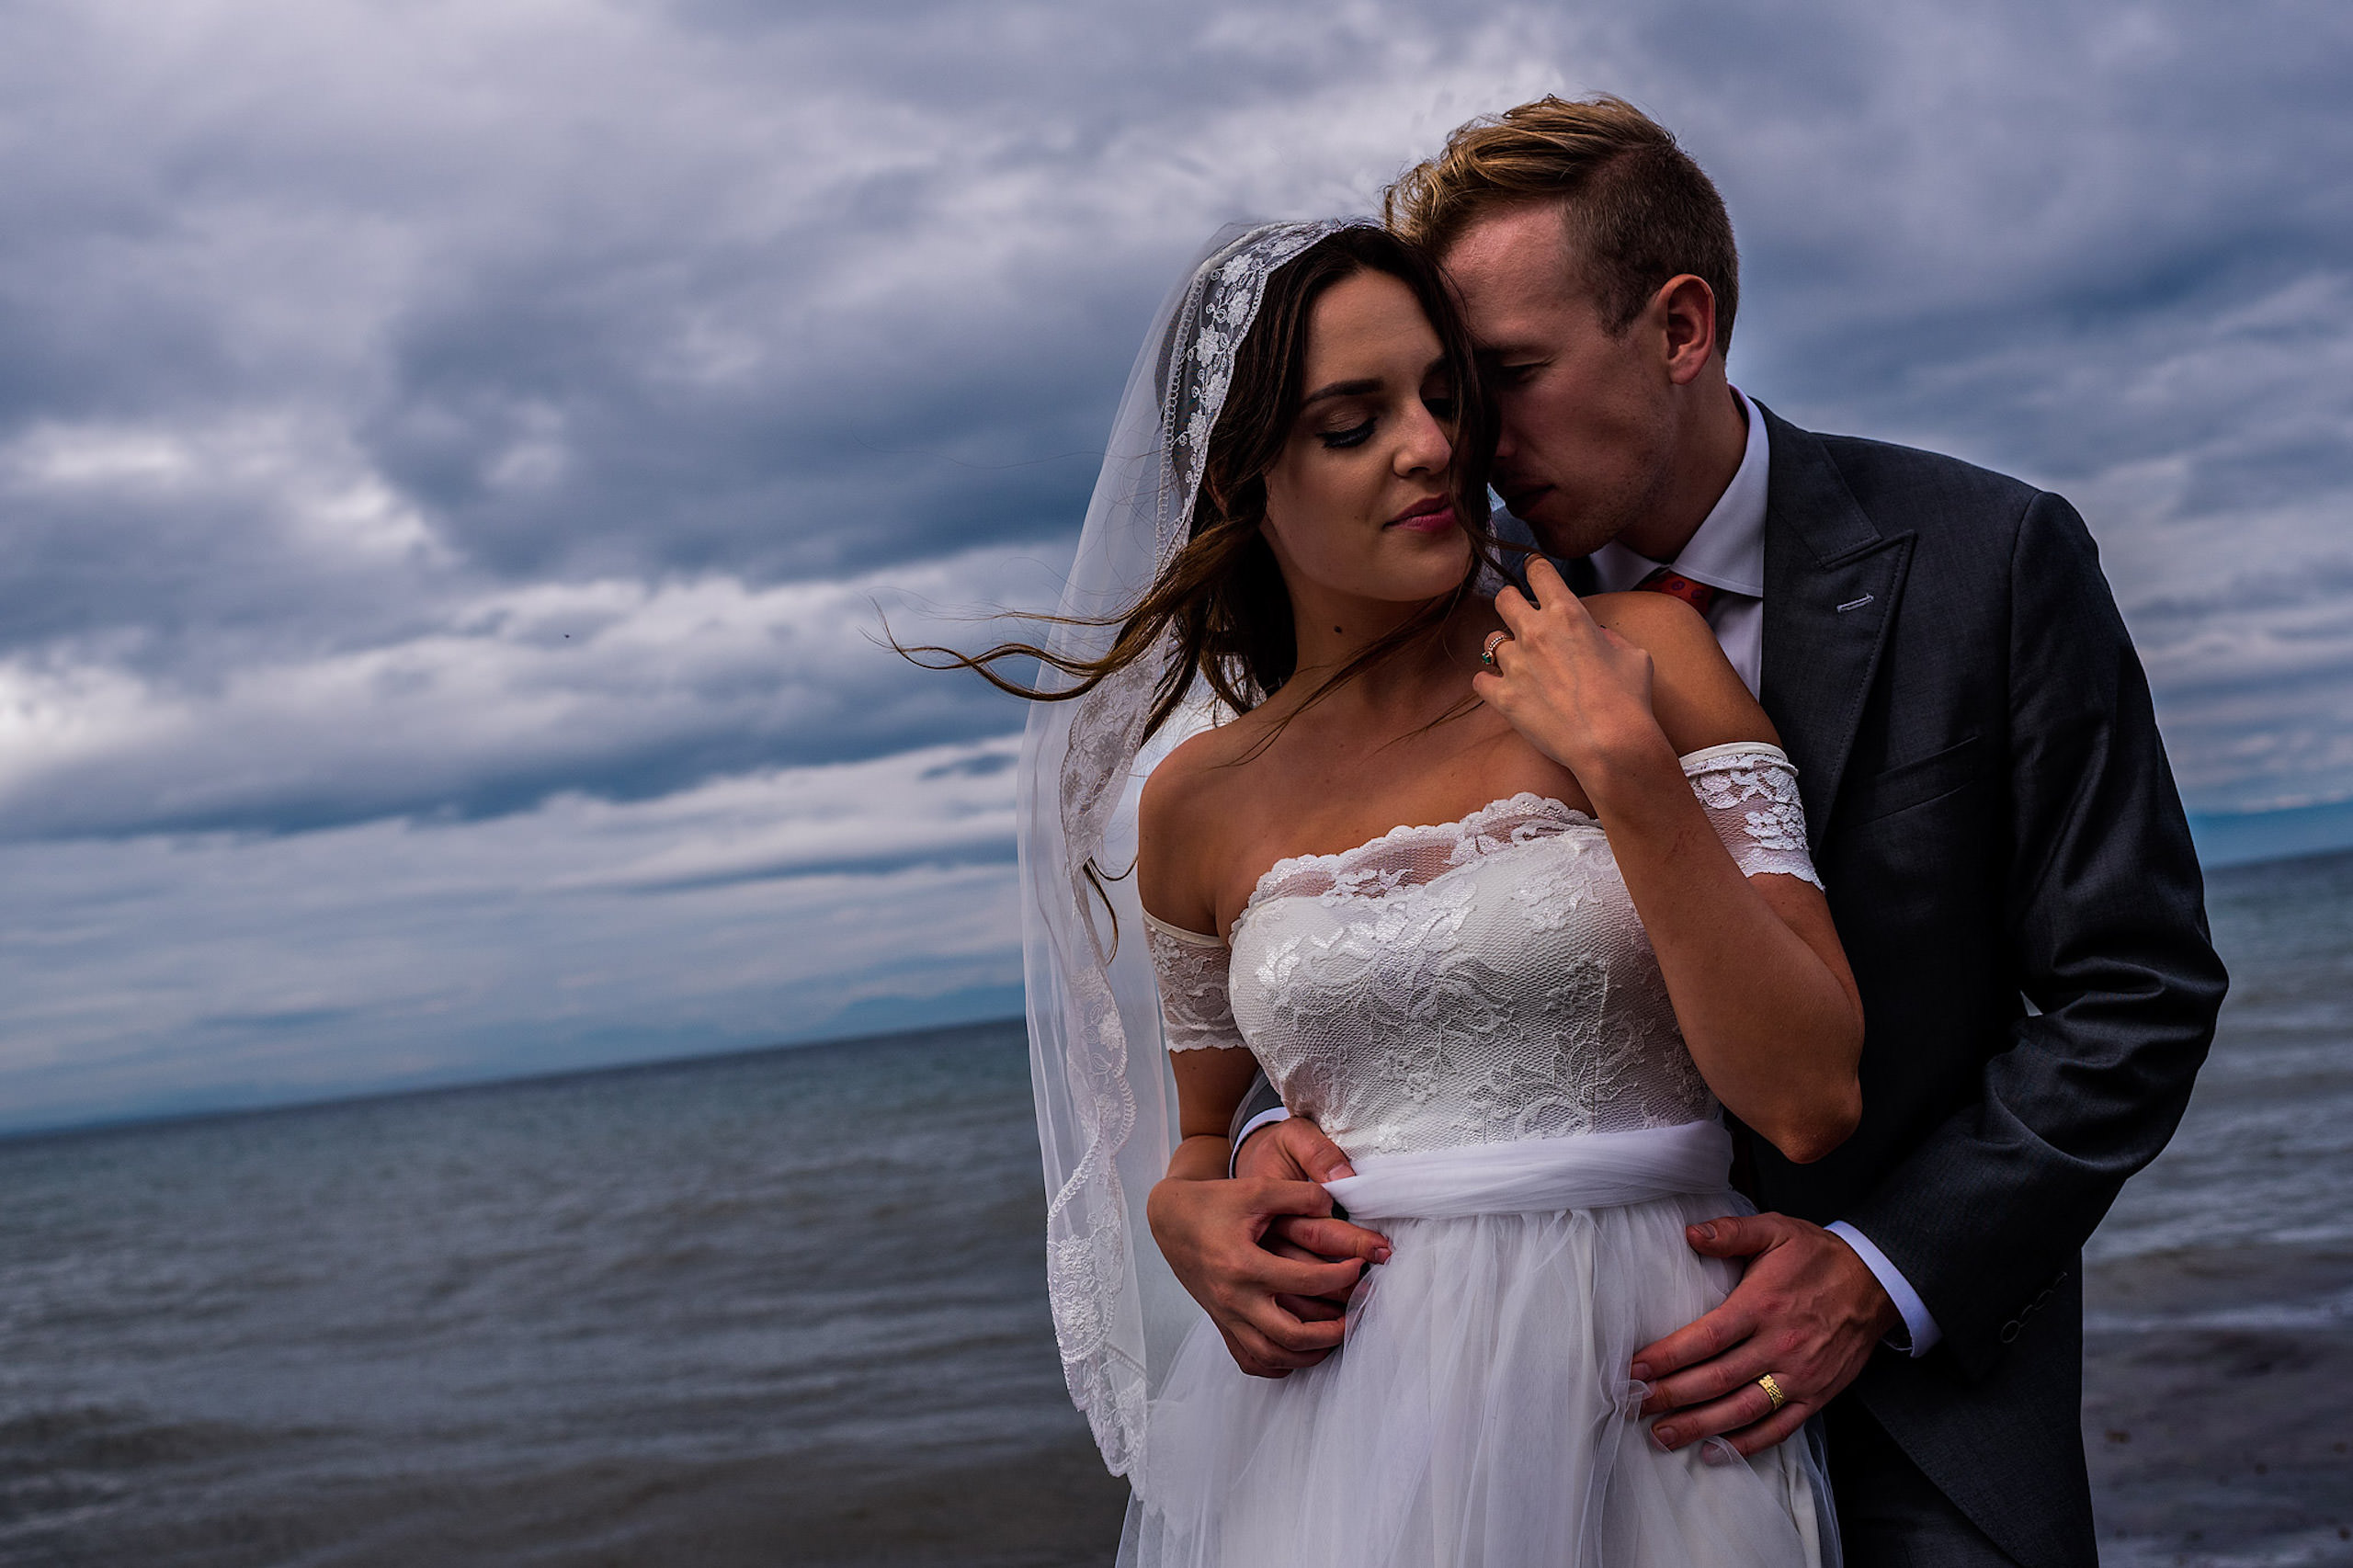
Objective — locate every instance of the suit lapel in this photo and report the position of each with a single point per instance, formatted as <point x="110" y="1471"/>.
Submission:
<point x="1832" y="581"/>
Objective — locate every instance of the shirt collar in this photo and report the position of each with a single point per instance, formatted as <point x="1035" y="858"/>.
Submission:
<point x="1728" y="552"/>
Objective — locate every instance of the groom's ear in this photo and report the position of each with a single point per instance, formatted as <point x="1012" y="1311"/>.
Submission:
<point x="1682" y="314"/>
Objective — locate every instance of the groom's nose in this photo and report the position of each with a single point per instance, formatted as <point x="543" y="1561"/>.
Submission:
<point x="1505" y="445"/>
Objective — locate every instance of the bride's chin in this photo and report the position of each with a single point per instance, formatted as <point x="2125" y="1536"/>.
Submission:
<point x="1435" y="568"/>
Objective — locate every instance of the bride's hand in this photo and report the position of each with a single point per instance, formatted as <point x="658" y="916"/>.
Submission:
<point x="1579" y="692"/>
<point x="1210" y="1232"/>
<point x="1296" y="1150"/>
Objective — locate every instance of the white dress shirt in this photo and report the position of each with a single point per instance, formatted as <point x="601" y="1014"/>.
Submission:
<point x="1728" y="554"/>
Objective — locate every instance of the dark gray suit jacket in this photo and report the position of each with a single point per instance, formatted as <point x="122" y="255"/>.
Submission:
<point x="1992" y="815"/>
<point x="2006" y="858"/>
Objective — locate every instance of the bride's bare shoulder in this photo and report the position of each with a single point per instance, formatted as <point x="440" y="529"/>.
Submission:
<point x="1193" y="781"/>
<point x="1188" y="810"/>
<point x="1699" y="699"/>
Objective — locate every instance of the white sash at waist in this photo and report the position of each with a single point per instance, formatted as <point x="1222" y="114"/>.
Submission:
<point x="1598" y="1170"/>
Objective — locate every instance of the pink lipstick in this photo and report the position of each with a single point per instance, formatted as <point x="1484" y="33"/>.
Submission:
<point x="1434" y="516"/>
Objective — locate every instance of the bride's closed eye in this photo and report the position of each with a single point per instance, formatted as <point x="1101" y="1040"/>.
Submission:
<point x="1353" y="435"/>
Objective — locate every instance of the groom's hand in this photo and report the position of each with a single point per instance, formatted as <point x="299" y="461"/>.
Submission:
<point x="1807" y="1311"/>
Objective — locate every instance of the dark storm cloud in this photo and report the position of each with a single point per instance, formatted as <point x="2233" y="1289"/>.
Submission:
<point x="641" y="291"/>
<point x="316" y="349"/>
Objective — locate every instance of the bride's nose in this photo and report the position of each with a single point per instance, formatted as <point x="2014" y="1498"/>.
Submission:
<point x="1424" y="446"/>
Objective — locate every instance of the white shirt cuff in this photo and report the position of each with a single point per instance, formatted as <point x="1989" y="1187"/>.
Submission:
<point x="1919" y="1327"/>
<point x="1264" y="1118"/>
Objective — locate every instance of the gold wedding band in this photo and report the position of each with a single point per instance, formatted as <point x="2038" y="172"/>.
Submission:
<point x="1494" y="640"/>
<point x="1772" y="1390"/>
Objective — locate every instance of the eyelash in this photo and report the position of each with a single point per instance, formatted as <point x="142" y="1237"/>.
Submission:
<point x="1354" y="437"/>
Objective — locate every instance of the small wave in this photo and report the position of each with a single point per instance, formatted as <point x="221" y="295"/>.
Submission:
<point x="105" y="1439"/>
<point x="2297" y="1549"/>
<point x="2278" y="1317"/>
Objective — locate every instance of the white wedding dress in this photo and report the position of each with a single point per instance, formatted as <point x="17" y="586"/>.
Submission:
<point x="1473" y="1012"/>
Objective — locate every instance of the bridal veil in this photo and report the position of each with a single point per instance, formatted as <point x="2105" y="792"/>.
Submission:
<point x="1106" y="1102"/>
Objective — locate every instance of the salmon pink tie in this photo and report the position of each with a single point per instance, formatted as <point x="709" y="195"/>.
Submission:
<point x="1667" y="580"/>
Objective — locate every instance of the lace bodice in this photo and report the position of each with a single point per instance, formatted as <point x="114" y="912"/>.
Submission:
<point x="1475" y="982"/>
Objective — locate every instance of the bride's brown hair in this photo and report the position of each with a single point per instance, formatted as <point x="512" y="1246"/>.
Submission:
<point x="1223" y="592"/>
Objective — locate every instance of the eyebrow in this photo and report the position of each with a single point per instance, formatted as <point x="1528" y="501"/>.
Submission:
<point x="1341" y="389"/>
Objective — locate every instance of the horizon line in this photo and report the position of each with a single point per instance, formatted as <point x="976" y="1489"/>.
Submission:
<point x="137" y="1121"/>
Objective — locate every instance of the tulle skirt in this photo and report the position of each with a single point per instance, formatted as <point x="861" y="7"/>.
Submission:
<point x="1480" y="1414"/>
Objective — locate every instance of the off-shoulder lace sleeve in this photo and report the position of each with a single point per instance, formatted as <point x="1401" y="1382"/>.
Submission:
<point x="1195" y="1012"/>
<point x="1750" y="791"/>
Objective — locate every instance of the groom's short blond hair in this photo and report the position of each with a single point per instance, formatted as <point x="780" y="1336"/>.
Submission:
<point x="1639" y="210"/>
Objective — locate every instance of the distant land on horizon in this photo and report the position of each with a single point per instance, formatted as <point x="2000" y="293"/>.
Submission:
<point x="2236" y="838"/>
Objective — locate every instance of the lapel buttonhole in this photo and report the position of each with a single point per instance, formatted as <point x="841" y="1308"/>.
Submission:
<point x="1857" y="603"/>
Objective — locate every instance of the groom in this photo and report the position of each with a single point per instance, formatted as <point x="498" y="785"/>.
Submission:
<point x="1989" y="805"/>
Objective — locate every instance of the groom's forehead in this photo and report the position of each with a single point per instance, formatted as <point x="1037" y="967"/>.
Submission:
<point x="1520" y="262"/>
<point x="1507" y="320"/>
<point x="1542" y="224"/>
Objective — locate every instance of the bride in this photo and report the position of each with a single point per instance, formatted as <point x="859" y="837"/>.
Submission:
<point x="1519" y="1023"/>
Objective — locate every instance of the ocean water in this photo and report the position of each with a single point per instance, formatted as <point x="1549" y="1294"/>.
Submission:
<point x="680" y="1314"/>
<point x="2218" y="1409"/>
<point x="788" y="1309"/>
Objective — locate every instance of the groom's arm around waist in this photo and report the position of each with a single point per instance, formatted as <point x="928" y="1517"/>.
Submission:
<point x="2100" y="907"/>
<point x="1261" y="1106"/>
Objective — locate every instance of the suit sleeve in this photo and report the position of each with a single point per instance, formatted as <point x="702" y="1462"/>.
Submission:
<point x="1261" y="1099"/>
<point x="2105" y="923"/>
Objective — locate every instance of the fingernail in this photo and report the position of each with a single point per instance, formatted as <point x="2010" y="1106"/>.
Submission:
<point x="1381" y="1254"/>
<point x="1642" y="1372"/>
<point x="1705" y="1232"/>
<point x="1664" y="1437"/>
<point x="1341" y="1173"/>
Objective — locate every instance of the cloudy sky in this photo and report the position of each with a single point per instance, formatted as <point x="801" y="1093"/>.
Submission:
<point x="451" y="454"/>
